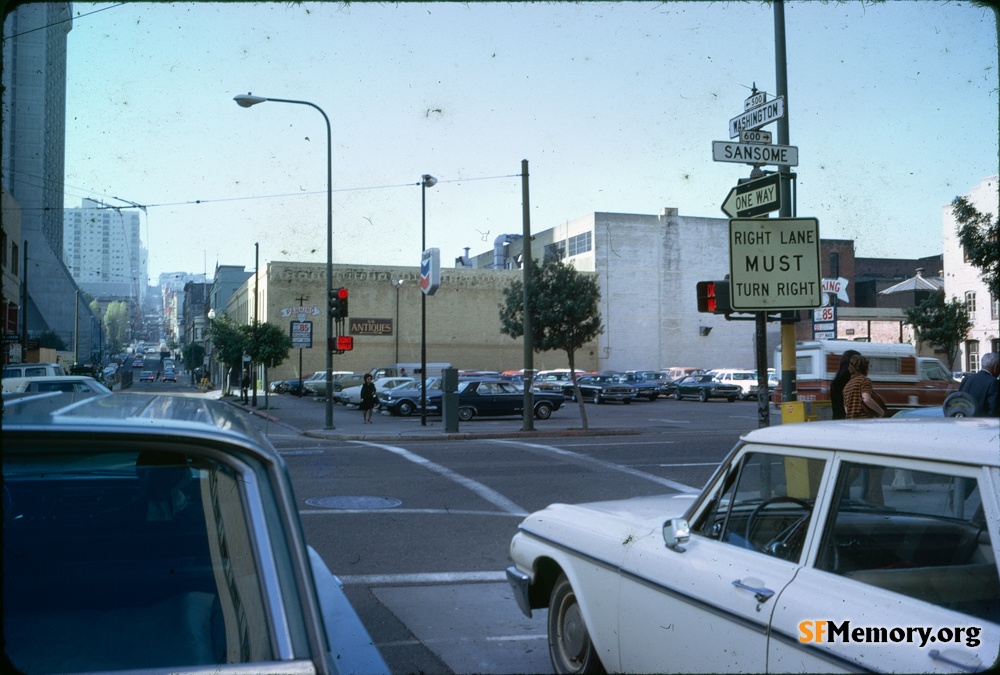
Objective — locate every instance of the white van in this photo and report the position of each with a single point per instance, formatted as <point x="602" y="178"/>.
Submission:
<point x="32" y="370"/>
<point x="901" y="378"/>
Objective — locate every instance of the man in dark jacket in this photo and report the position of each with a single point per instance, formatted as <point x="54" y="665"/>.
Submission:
<point x="984" y="386"/>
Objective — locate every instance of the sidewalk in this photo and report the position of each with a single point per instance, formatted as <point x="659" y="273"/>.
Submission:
<point x="307" y="415"/>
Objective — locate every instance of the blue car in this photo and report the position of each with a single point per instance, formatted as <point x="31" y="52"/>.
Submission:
<point x="161" y="533"/>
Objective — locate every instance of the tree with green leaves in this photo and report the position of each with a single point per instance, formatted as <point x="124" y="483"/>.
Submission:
<point x="979" y="234"/>
<point x="267" y="345"/>
<point x="193" y="356"/>
<point x="48" y="339"/>
<point x="116" y="325"/>
<point x="941" y="324"/>
<point x="230" y="344"/>
<point x="564" y="313"/>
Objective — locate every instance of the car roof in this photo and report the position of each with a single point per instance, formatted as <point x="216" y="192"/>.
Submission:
<point x="970" y="440"/>
<point x="127" y="412"/>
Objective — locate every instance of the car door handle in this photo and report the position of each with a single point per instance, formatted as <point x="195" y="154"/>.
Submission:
<point x="762" y="594"/>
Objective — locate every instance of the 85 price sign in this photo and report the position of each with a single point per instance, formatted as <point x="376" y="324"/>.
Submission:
<point x="825" y="323"/>
<point x="301" y="334"/>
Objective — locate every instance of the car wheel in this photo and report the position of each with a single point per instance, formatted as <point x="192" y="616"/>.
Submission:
<point x="677" y="394"/>
<point x="466" y="414"/>
<point x="570" y="647"/>
<point x="702" y="395"/>
<point x="405" y="408"/>
<point x="653" y="397"/>
<point x="731" y="399"/>
<point x="626" y="401"/>
<point x="595" y="398"/>
<point x="543" y="411"/>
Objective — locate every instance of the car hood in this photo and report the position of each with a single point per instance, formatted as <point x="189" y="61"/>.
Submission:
<point x="605" y="529"/>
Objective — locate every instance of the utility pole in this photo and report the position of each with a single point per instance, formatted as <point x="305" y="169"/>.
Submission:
<point x="528" y="423"/>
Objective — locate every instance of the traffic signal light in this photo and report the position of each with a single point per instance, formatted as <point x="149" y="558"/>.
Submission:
<point x="713" y="297"/>
<point x="338" y="303"/>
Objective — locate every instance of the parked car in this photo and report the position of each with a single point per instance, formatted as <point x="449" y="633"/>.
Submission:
<point x="554" y="380"/>
<point x="161" y="533"/>
<point x="404" y="401"/>
<point x="292" y="386"/>
<point x="746" y="380"/>
<point x="32" y="369"/>
<point x="147" y="376"/>
<point x="675" y="375"/>
<point x="352" y="395"/>
<point x="46" y="383"/>
<point x="316" y="385"/>
<point x="341" y="382"/>
<point x="601" y="388"/>
<point x="799" y="555"/>
<point x="495" y="397"/>
<point x="647" y="383"/>
<point x="704" y="387"/>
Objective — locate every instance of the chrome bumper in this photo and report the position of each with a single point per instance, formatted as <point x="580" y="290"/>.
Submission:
<point x="520" y="582"/>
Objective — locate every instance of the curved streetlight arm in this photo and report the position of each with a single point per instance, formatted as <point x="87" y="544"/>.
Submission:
<point x="247" y="100"/>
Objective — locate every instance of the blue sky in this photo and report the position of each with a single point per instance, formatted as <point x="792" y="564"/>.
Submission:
<point x="894" y="109"/>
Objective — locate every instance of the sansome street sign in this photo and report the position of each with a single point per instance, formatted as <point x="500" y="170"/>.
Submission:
<point x="755" y="153"/>
<point x="754" y="198"/>
<point x="774" y="264"/>
<point x="757" y="117"/>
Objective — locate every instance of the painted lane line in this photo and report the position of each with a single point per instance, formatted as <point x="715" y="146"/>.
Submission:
<point x="673" y="485"/>
<point x="487" y="493"/>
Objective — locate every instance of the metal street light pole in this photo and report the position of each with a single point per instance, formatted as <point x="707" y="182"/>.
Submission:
<point x="248" y="100"/>
<point x="426" y="181"/>
<point x="395" y="329"/>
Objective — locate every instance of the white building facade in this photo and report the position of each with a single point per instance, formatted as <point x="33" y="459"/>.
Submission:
<point x="647" y="267"/>
<point x="102" y="249"/>
<point x="964" y="281"/>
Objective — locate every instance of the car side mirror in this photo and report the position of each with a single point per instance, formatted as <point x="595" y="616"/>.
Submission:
<point x="676" y="531"/>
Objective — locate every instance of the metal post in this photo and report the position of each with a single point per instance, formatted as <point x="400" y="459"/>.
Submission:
<point x="253" y="366"/>
<point x="251" y="100"/>
<point x="528" y="423"/>
<point x="788" y="385"/>
<point x="423" y="306"/>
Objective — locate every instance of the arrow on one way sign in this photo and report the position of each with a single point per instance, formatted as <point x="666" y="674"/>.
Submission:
<point x="754" y="198"/>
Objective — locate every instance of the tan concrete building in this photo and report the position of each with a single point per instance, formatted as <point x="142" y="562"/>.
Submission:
<point x="463" y="325"/>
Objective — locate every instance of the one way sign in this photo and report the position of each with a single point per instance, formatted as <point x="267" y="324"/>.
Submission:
<point x="754" y="198"/>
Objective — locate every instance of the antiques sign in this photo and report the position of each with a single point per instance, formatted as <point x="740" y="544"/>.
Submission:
<point x="370" y="326"/>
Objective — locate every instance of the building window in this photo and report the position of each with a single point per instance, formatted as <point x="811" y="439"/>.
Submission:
<point x="14" y="259"/>
<point x="581" y="243"/>
<point x="970" y="303"/>
<point x="972" y="356"/>
<point x="994" y="307"/>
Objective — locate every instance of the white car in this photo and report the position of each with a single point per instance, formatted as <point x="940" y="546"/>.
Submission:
<point x="80" y="384"/>
<point x="352" y="395"/>
<point x="746" y="380"/>
<point x="822" y="547"/>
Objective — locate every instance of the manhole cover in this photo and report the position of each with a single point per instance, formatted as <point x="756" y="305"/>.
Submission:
<point x="354" y="503"/>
